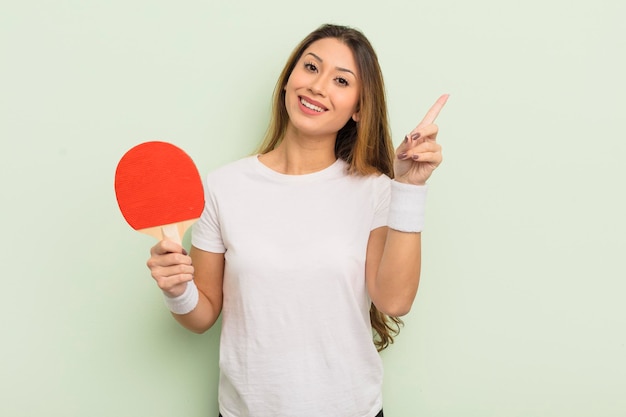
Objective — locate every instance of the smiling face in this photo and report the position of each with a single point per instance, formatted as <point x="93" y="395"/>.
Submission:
<point x="322" y="92"/>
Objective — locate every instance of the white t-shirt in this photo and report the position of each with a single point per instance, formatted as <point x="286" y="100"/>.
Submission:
<point x="296" y="338"/>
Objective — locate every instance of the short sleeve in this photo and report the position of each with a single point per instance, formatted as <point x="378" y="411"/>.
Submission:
<point x="382" y="195"/>
<point x="206" y="232"/>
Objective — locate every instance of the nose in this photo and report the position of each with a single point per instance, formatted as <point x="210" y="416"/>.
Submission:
<point x="317" y="86"/>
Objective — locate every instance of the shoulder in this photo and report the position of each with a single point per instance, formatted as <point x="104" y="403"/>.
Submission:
<point x="381" y="184"/>
<point x="372" y="188"/>
<point x="381" y="179"/>
<point x="377" y="180"/>
<point x="224" y="179"/>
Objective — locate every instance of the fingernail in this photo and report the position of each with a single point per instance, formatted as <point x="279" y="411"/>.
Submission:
<point x="184" y="252"/>
<point x="415" y="157"/>
<point x="406" y="139"/>
<point x="402" y="155"/>
<point x="415" y="136"/>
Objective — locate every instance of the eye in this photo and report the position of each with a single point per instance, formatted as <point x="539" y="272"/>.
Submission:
<point x="342" y="81"/>
<point x="310" y="66"/>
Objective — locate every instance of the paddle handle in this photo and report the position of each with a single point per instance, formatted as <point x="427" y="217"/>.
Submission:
<point x="173" y="232"/>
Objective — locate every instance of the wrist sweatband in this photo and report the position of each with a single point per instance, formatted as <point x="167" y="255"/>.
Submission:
<point x="407" y="207"/>
<point x="185" y="302"/>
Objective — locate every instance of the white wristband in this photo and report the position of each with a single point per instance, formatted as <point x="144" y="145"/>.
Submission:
<point x="407" y="207"/>
<point x="185" y="302"/>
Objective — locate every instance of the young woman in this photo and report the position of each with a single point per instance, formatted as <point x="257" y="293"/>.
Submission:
<point x="307" y="246"/>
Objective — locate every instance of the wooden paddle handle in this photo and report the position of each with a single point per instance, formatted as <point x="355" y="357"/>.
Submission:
<point x="173" y="232"/>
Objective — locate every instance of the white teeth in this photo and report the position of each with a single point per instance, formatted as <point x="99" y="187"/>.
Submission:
<point x="311" y="106"/>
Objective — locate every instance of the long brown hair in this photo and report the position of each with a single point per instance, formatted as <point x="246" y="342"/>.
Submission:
<point x="365" y="145"/>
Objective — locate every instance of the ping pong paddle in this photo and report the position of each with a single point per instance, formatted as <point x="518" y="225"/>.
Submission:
<point x="159" y="190"/>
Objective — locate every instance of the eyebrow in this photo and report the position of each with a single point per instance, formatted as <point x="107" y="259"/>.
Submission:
<point x="337" y="68"/>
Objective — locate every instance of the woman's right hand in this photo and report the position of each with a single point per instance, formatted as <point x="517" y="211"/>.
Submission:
<point x="171" y="267"/>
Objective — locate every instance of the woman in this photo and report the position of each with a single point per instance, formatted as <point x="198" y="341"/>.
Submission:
<point x="306" y="246"/>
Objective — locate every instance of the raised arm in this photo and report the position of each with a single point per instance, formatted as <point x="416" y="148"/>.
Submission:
<point x="393" y="256"/>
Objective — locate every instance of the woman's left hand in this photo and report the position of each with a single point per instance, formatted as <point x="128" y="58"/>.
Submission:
<point x="419" y="154"/>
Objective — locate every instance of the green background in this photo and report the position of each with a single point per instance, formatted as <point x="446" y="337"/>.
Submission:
<point x="520" y="310"/>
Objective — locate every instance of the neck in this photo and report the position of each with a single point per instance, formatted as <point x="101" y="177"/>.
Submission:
<point x="298" y="155"/>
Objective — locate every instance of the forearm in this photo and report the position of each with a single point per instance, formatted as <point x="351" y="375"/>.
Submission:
<point x="396" y="280"/>
<point x="208" y="278"/>
<point x="395" y="251"/>
<point x="202" y="317"/>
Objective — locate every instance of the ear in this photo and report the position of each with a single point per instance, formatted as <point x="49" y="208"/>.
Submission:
<point x="356" y="116"/>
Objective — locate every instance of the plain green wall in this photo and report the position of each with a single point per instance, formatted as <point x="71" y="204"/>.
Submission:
<point x="520" y="310"/>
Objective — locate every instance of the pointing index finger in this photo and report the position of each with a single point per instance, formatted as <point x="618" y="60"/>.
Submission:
<point x="434" y="110"/>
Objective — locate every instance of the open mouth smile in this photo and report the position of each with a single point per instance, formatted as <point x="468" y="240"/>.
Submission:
<point x="317" y="107"/>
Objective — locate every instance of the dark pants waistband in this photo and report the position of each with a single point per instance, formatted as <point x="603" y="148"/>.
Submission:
<point x="380" y="414"/>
